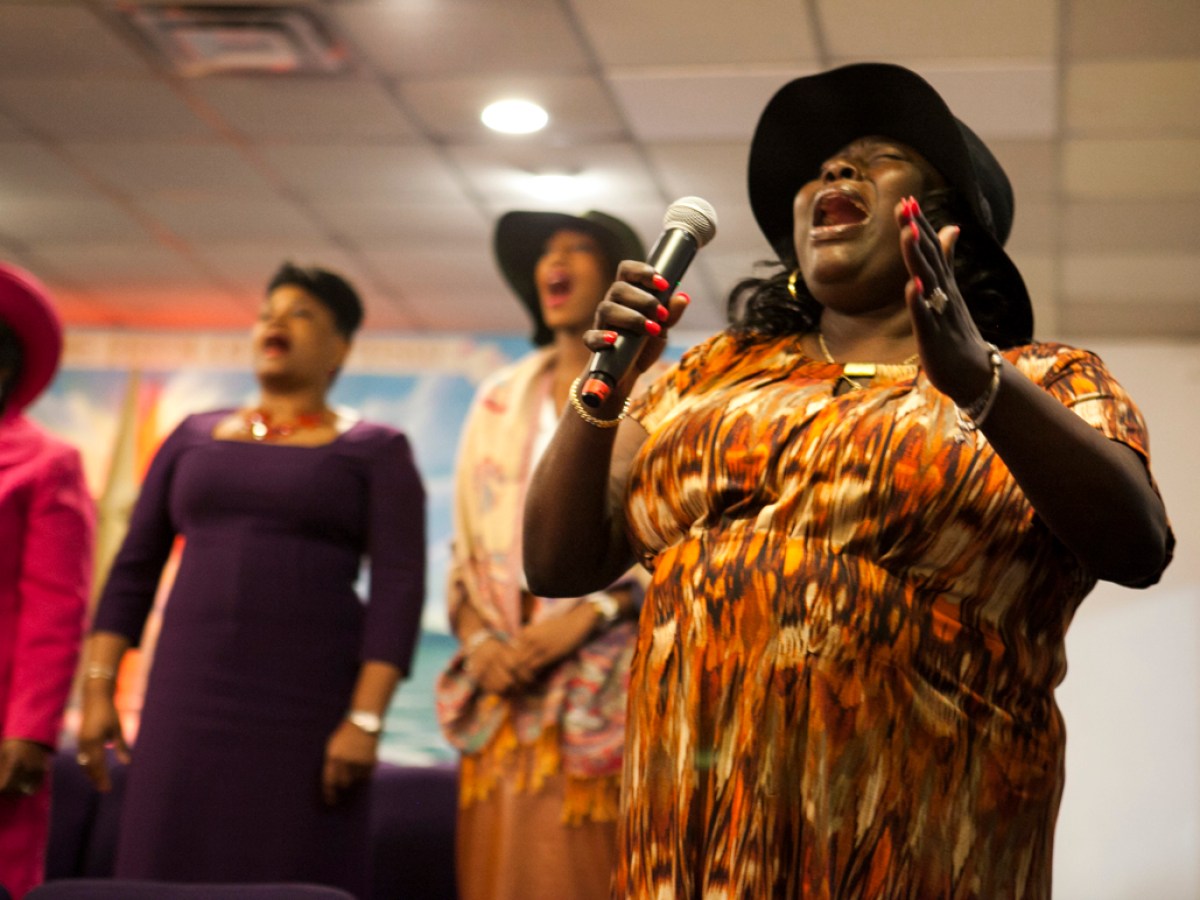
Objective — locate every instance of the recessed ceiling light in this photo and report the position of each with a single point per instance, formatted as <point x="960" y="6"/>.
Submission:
<point x="515" y="117"/>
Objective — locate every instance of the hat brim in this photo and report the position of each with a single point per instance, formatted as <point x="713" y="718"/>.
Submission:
<point x="25" y="307"/>
<point x="520" y="240"/>
<point x="811" y="118"/>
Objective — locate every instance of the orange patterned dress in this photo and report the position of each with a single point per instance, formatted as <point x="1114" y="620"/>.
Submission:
<point x="844" y="679"/>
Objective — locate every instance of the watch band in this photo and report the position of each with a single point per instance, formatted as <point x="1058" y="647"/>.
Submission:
<point x="606" y="608"/>
<point x="366" y="721"/>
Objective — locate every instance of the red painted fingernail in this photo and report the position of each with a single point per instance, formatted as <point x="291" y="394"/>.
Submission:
<point x="610" y="337"/>
<point x="917" y="283"/>
<point x="662" y="312"/>
<point x="916" y="232"/>
<point x="653" y="328"/>
<point x="683" y="298"/>
<point x="916" y="207"/>
<point x="660" y="283"/>
<point x="908" y="208"/>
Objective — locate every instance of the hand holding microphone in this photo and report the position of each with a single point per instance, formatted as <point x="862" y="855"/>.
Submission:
<point x="689" y="224"/>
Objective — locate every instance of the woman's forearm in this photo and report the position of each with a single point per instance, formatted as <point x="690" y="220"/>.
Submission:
<point x="574" y="537"/>
<point x="1092" y="492"/>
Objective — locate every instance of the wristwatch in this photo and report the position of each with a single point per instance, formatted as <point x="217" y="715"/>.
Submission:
<point x="606" y="607"/>
<point x="366" y="721"/>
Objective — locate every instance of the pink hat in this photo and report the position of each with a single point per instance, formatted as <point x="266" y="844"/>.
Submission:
<point x="25" y="308"/>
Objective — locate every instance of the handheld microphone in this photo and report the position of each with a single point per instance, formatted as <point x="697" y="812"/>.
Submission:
<point x="689" y="224"/>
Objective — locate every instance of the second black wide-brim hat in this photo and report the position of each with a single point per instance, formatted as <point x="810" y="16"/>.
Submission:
<point x="521" y="237"/>
<point x="811" y="118"/>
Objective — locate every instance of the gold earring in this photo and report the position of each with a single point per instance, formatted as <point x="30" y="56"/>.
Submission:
<point x="792" y="283"/>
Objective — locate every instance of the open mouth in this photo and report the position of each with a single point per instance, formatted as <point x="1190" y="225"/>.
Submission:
<point x="276" y="343"/>
<point x="558" y="288"/>
<point x="838" y="209"/>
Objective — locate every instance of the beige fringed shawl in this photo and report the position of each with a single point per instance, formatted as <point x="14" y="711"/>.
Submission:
<point x="573" y="720"/>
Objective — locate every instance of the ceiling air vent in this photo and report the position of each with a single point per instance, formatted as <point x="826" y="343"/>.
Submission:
<point x="216" y="40"/>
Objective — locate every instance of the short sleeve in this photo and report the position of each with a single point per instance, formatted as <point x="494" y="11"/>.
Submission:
<point x="652" y="407"/>
<point x="1082" y="383"/>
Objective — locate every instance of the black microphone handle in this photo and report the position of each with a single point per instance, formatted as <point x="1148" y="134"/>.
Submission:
<point x="670" y="257"/>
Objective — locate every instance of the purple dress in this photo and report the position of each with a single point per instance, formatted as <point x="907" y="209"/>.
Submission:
<point x="260" y="646"/>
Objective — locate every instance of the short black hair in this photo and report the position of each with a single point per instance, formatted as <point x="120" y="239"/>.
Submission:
<point x="330" y="289"/>
<point x="11" y="355"/>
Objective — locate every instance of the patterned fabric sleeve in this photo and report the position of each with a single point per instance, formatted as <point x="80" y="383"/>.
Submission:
<point x="651" y="407"/>
<point x="1081" y="381"/>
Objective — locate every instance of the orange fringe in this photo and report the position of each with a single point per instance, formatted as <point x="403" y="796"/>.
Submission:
<point x="528" y="766"/>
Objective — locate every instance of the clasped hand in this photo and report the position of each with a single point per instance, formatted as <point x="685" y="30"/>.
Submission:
<point x="501" y="667"/>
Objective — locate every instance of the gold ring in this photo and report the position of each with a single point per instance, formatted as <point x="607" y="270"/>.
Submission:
<point x="82" y="758"/>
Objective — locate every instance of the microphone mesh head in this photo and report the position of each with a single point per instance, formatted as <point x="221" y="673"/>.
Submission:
<point x="693" y="215"/>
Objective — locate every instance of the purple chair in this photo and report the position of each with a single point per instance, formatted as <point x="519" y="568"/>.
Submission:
<point x="413" y="814"/>
<point x="110" y="889"/>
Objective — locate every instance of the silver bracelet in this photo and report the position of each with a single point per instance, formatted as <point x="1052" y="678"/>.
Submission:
<point x="971" y="417"/>
<point x="480" y="637"/>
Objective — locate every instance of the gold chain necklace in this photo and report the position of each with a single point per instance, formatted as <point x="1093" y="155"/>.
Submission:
<point x="853" y="370"/>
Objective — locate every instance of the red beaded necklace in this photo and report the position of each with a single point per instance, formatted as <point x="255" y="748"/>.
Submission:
<point x="259" y="426"/>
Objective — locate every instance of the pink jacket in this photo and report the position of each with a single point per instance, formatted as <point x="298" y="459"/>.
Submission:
<point x="46" y="531"/>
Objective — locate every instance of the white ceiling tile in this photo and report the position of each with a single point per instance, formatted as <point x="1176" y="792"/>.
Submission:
<point x="1131" y="169"/>
<point x="341" y="108"/>
<point x="79" y="218"/>
<point x="966" y="29"/>
<point x="1031" y="166"/>
<point x="1118" y="29"/>
<point x="1039" y="271"/>
<point x="999" y="101"/>
<point x="46" y="39"/>
<point x="206" y="216"/>
<point x="716" y="172"/>
<point x="452" y="220"/>
<point x="578" y="105"/>
<point x="608" y="175"/>
<point x="426" y="39"/>
<point x="1136" y="98"/>
<point x="1143" y="276"/>
<point x="706" y="32"/>
<point x="207" y="170"/>
<point x="1128" y="321"/>
<point x="100" y="108"/>
<point x="700" y="104"/>
<point x="1035" y="227"/>
<point x="352" y="172"/>
<point x="1164" y="225"/>
<point x="31" y="170"/>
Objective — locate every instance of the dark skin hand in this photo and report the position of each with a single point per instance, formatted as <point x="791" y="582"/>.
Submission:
<point x="23" y="766"/>
<point x="1093" y="493"/>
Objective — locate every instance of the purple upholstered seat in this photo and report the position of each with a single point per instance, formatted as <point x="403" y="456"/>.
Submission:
<point x="413" y="811"/>
<point x="116" y="889"/>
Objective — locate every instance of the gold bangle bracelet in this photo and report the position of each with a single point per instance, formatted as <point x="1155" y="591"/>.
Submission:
<point x="582" y="412"/>
<point x="95" y="671"/>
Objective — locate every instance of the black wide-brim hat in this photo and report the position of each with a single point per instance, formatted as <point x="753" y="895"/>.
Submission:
<point x="520" y="240"/>
<point x="26" y="308"/>
<point x="811" y="118"/>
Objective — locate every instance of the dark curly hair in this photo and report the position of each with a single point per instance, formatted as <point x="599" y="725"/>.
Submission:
<point x="332" y="290"/>
<point x="765" y="307"/>
<point x="11" y="356"/>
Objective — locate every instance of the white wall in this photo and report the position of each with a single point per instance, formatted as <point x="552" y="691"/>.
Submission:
<point x="1129" y="828"/>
